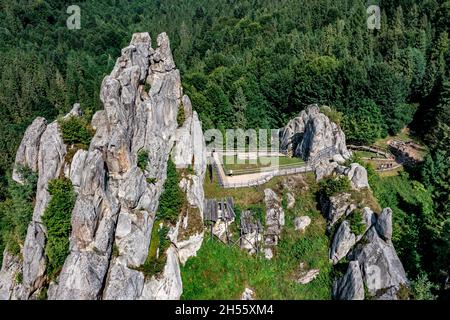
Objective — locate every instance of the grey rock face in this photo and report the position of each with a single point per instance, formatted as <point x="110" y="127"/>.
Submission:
<point x="167" y="286"/>
<point x="116" y="202"/>
<point x="380" y="265"/>
<point x="336" y="207"/>
<point x="343" y="241"/>
<point x="274" y="217"/>
<point x="312" y="135"/>
<point x="358" y="176"/>
<point x="351" y="286"/>
<point x="28" y="152"/>
<point x="384" y="224"/>
<point x="301" y="223"/>
<point x="10" y="269"/>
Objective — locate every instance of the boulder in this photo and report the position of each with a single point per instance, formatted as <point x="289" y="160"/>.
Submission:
<point x="301" y="223"/>
<point x="248" y="294"/>
<point x="358" y="176"/>
<point x="308" y="276"/>
<point x="384" y="224"/>
<point x="343" y="241"/>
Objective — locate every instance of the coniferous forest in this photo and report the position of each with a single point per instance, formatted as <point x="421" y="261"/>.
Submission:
<point x="257" y="64"/>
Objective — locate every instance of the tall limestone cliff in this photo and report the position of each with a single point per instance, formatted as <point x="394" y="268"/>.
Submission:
<point x="117" y="199"/>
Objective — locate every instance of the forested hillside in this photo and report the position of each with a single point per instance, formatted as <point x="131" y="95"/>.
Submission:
<point x="255" y="64"/>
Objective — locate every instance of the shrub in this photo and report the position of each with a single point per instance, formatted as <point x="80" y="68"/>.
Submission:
<point x="330" y="186"/>
<point x="16" y="211"/>
<point x="151" y="180"/>
<point x="142" y="159"/>
<point x="57" y="218"/>
<point x="356" y="222"/>
<point x="172" y="198"/>
<point x="76" y="130"/>
<point x="332" y="114"/>
<point x="19" y="278"/>
<point x="156" y="258"/>
<point x="422" y="288"/>
<point x="181" y="116"/>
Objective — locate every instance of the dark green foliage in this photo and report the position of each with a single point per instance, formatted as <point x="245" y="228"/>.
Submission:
<point x="142" y="159"/>
<point x="356" y="222"/>
<point x="181" y="116"/>
<point x="151" y="180"/>
<point x="415" y="223"/>
<point x="19" y="278"/>
<point x="172" y="198"/>
<point x="156" y="258"/>
<point x="16" y="211"/>
<point x="57" y="218"/>
<point x="76" y="130"/>
<point x="332" y="186"/>
<point x="259" y="212"/>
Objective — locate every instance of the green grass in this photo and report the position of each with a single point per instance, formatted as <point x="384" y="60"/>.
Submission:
<point x="222" y="272"/>
<point x="366" y="154"/>
<point x="233" y="163"/>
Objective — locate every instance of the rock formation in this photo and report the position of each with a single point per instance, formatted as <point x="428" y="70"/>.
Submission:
<point x="314" y="137"/>
<point x="373" y="260"/>
<point x="116" y="199"/>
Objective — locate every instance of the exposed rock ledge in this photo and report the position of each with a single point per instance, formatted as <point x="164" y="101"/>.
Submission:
<point x="116" y="205"/>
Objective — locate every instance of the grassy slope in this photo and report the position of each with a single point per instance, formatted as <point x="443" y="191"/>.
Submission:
<point x="222" y="272"/>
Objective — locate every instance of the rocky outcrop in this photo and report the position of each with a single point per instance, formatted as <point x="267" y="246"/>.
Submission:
<point x="117" y="200"/>
<point x="373" y="260"/>
<point x="343" y="241"/>
<point x="274" y="218"/>
<point x="358" y="176"/>
<point x="384" y="224"/>
<point x="28" y="153"/>
<point x="351" y="285"/>
<point x="380" y="265"/>
<point x="314" y="137"/>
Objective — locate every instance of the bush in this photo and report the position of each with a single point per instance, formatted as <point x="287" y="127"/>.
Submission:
<point x="172" y="198"/>
<point x="181" y="116"/>
<point x="142" y="159"/>
<point x="422" y="288"/>
<point x="332" y="114"/>
<point x="57" y="220"/>
<point x="76" y="130"/>
<point x="16" y="211"/>
<point x="356" y="222"/>
<point x="330" y="186"/>
<point x="156" y="258"/>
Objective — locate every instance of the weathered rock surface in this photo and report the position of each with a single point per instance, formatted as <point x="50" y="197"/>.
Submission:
<point x="301" y="223"/>
<point x="343" y="241"/>
<point x="336" y="207"/>
<point x="11" y="268"/>
<point x="28" y="152"/>
<point x="358" y="176"/>
<point x="380" y="265"/>
<point x="373" y="260"/>
<point x="313" y="136"/>
<point x="248" y="294"/>
<point x="274" y="217"/>
<point x="384" y="224"/>
<point x="308" y="276"/>
<point x="351" y="286"/>
<point x="116" y="202"/>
